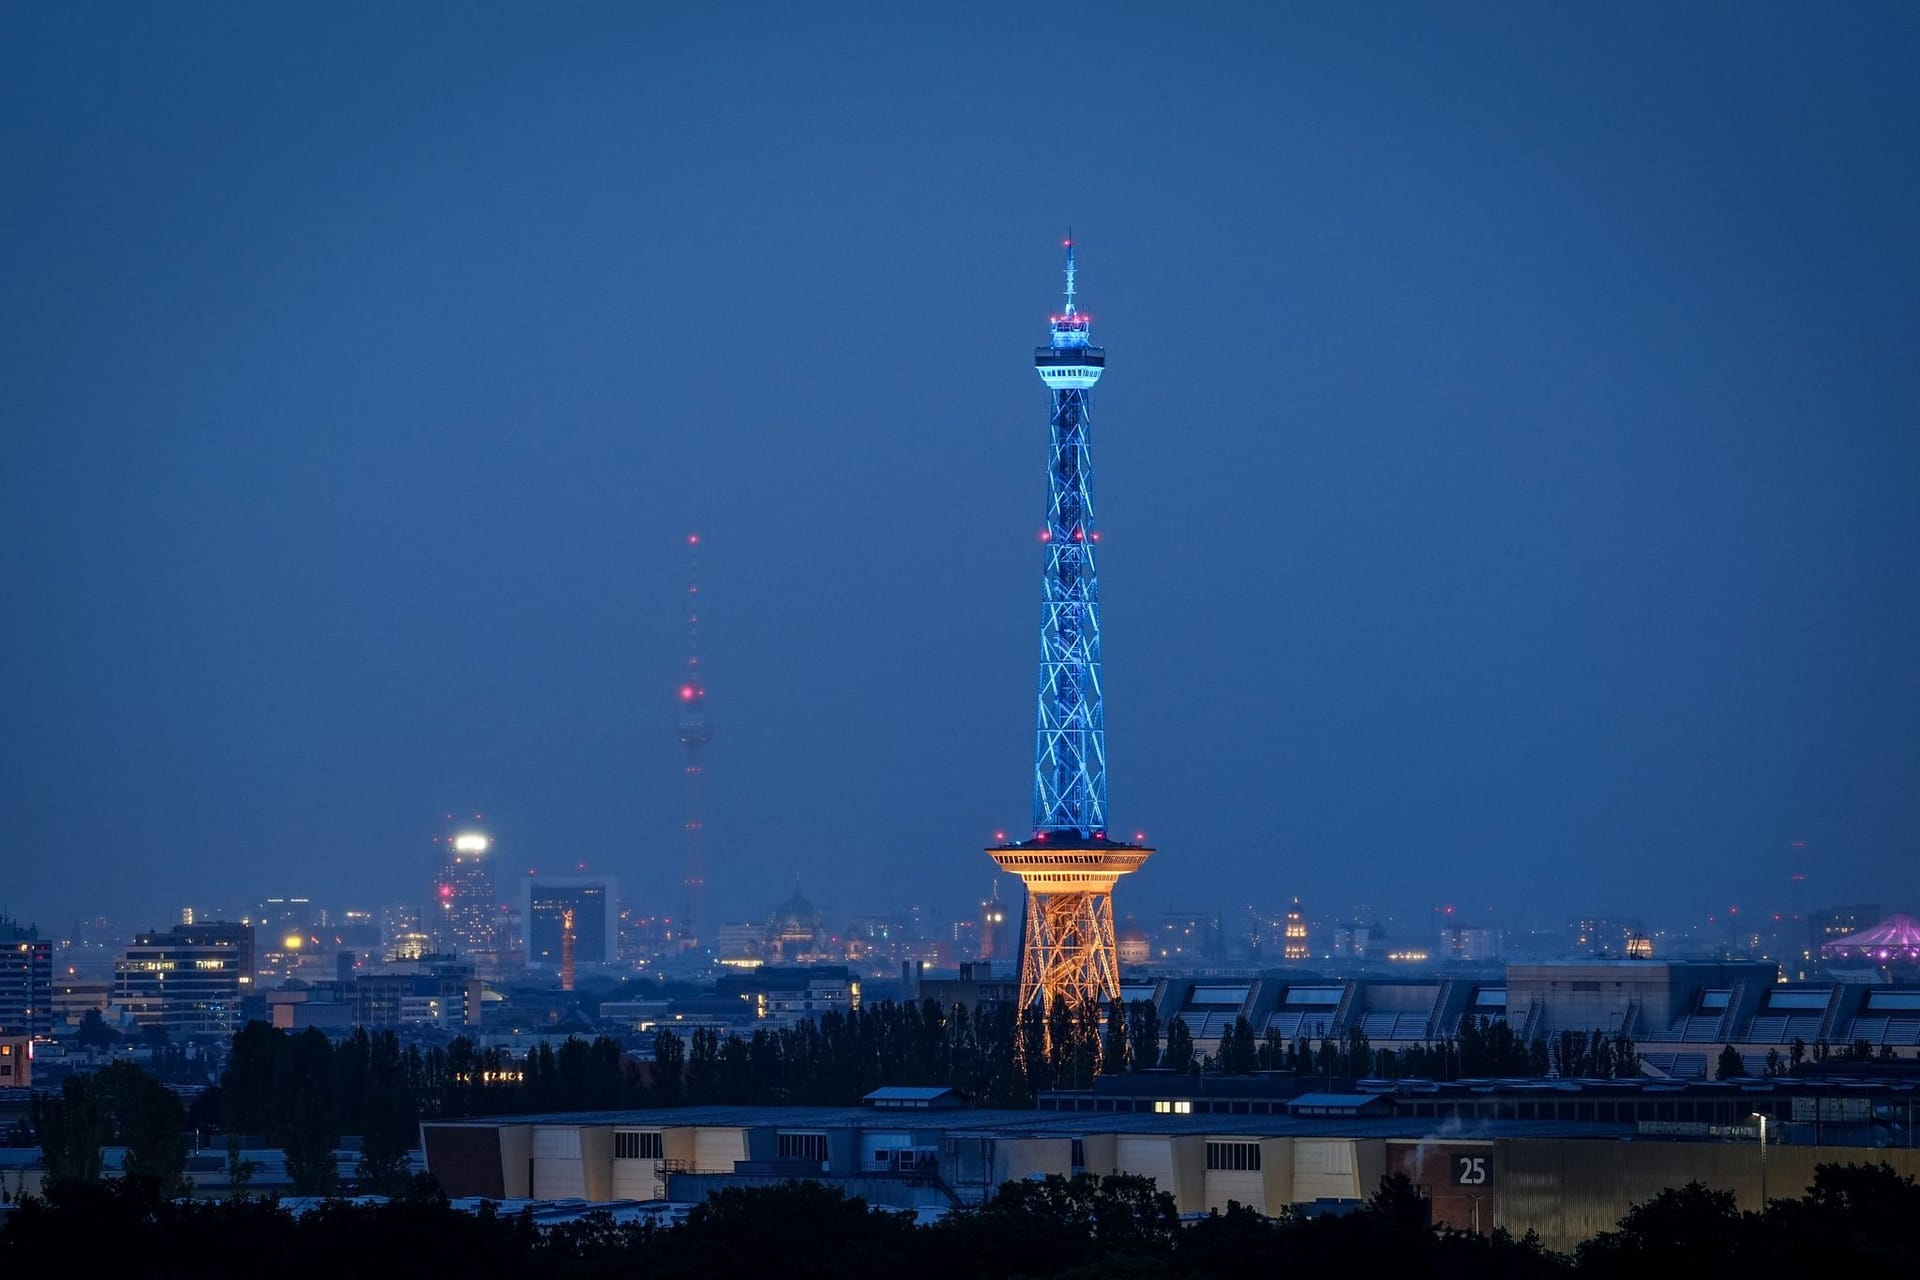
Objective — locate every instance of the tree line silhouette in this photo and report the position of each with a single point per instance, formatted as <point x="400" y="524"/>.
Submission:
<point x="301" y="1092"/>
<point x="305" y="1088"/>
<point x="1854" y="1220"/>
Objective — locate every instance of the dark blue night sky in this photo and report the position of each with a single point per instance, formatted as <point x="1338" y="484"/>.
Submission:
<point x="1507" y="463"/>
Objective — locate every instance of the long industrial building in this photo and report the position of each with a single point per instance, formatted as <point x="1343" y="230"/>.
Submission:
<point x="1566" y="1159"/>
<point x="1679" y="1013"/>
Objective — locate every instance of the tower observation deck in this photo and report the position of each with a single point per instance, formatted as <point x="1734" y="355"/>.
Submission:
<point x="1069" y="864"/>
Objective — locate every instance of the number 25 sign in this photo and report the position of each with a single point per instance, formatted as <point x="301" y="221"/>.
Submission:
<point x="1471" y="1171"/>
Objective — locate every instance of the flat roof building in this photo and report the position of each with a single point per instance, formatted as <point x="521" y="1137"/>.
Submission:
<point x="1568" y="1168"/>
<point x="189" y="980"/>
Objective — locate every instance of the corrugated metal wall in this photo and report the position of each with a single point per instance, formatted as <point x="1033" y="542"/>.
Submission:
<point x="1570" y="1190"/>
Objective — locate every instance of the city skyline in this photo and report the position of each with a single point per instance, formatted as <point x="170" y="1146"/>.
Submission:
<point x="1513" y="463"/>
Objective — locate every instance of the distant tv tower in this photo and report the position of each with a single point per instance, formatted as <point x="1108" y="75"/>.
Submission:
<point x="1068" y="951"/>
<point x="695" y="732"/>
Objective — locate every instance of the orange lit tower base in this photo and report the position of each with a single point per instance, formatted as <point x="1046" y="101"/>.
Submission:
<point x="1067" y="951"/>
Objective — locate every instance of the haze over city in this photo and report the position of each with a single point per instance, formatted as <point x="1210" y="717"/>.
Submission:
<point x="1506" y="458"/>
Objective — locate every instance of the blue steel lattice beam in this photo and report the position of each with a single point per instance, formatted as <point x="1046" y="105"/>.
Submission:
<point x="1070" y="752"/>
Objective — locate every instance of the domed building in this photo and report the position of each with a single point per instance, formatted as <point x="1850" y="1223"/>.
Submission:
<point x="795" y="934"/>
<point x="1132" y="943"/>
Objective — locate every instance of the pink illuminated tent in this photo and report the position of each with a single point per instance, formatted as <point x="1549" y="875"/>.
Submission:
<point x="1895" y="940"/>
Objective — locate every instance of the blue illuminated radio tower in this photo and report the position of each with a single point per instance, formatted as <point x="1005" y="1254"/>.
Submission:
<point x="1069" y="864"/>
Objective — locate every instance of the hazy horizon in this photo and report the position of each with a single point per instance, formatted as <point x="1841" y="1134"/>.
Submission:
<point x="1505" y="462"/>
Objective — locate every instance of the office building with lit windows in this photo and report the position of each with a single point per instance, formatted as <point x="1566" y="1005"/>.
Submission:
<point x="26" y="981"/>
<point x="466" y="904"/>
<point x="189" y="980"/>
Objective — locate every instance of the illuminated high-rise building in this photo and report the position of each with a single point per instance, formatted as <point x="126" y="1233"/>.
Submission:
<point x="1069" y="864"/>
<point x="991" y="941"/>
<point x="26" y="981"/>
<point x="466" y="904"/>
<point x="1295" y="945"/>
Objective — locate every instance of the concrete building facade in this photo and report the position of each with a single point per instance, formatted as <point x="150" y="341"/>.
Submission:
<point x="1565" y="1178"/>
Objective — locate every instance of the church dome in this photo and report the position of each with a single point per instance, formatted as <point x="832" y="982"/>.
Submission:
<point x="795" y="915"/>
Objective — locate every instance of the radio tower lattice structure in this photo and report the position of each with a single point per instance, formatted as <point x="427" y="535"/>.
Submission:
<point x="695" y="732"/>
<point x="1069" y="864"/>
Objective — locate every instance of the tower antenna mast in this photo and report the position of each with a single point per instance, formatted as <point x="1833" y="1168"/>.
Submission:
<point x="1069" y="864"/>
<point x="695" y="732"/>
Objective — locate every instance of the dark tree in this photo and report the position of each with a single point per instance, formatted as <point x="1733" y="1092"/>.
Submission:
<point x="1179" y="1045"/>
<point x="1238" y="1054"/>
<point x="145" y="1117"/>
<point x="387" y="1132"/>
<point x="1084" y="1061"/>
<point x="669" y="1064"/>
<point x="1626" y="1057"/>
<point x="1116" y="1052"/>
<point x="240" y="1170"/>
<point x="95" y="1033"/>
<point x="1143" y="1035"/>
<point x="1692" y="1230"/>
<point x="308" y="1137"/>
<point x="72" y="1128"/>
<point x="703" y="1067"/>
<point x="1359" y="1052"/>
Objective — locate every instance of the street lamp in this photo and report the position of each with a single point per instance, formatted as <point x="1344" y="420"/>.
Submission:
<point x="1755" y="1115"/>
